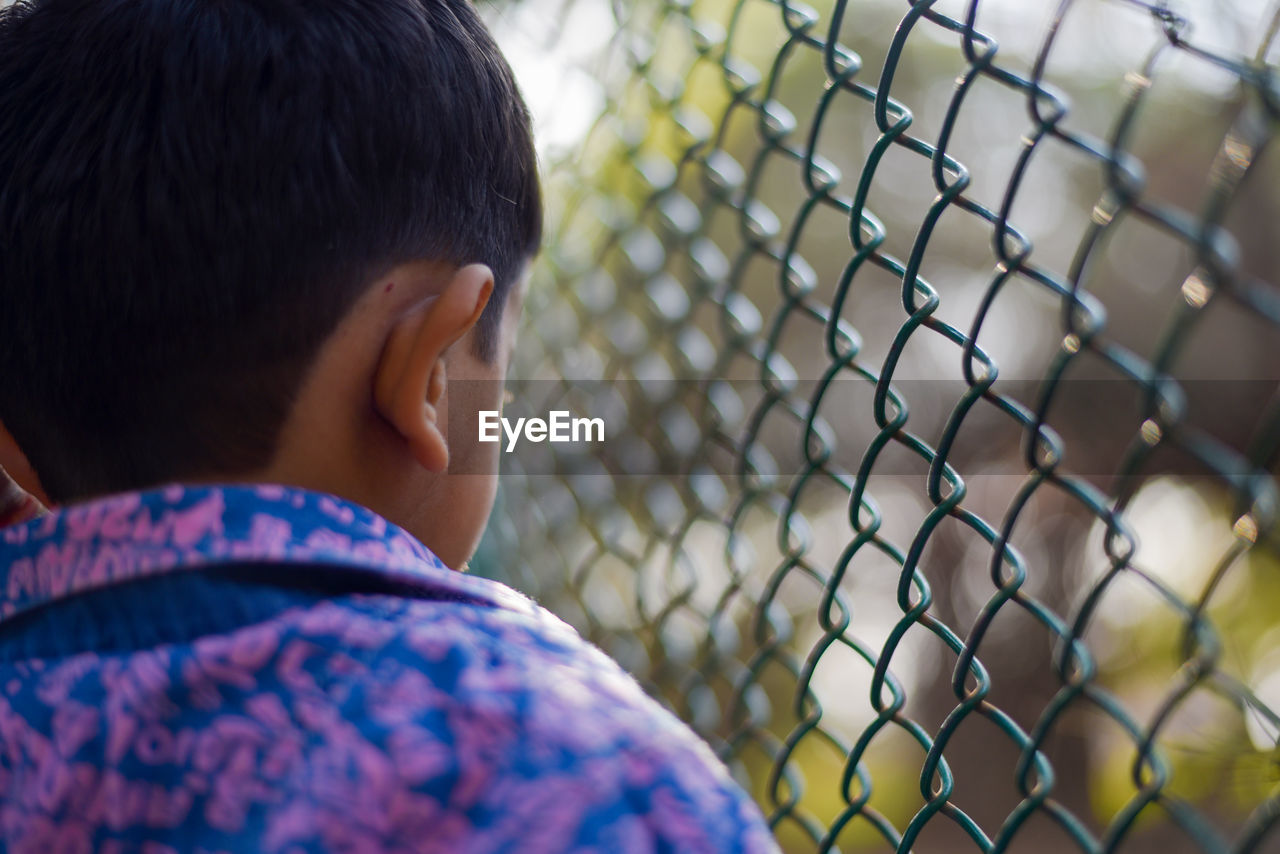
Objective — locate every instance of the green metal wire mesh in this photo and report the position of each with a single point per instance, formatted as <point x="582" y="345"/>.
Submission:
<point x="938" y="347"/>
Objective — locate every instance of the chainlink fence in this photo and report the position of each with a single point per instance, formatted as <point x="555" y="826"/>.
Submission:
<point x="936" y="346"/>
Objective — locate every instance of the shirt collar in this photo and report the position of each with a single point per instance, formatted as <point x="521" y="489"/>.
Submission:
<point x="96" y="544"/>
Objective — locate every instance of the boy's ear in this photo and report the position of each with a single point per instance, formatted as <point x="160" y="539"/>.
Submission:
<point x="15" y="471"/>
<point x="410" y="377"/>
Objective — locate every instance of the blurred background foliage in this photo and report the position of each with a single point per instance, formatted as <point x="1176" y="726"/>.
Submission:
<point x="938" y="346"/>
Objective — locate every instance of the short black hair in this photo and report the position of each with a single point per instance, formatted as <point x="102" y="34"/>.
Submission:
<point x="193" y="193"/>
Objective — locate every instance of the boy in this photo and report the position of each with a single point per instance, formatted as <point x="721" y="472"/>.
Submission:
<point x="271" y="243"/>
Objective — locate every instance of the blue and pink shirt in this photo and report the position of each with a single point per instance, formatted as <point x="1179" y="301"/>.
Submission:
<point x="267" y="669"/>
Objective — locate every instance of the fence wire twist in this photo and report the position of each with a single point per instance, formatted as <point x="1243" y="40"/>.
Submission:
<point x="953" y="527"/>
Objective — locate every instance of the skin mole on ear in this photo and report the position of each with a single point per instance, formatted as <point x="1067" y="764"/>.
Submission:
<point x="388" y="288"/>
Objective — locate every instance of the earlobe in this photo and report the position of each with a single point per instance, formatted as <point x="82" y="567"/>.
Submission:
<point x="411" y="380"/>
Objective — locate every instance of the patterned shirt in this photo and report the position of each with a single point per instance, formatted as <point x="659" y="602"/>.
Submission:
<point x="266" y="669"/>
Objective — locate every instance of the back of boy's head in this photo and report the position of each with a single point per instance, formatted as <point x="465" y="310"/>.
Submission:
<point x="193" y="194"/>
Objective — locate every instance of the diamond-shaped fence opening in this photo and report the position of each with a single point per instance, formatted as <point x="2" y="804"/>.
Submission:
<point x="937" y="350"/>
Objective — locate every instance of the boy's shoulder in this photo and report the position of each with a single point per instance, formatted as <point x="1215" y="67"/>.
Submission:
<point x="525" y="729"/>
<point x="329" y="682"/>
